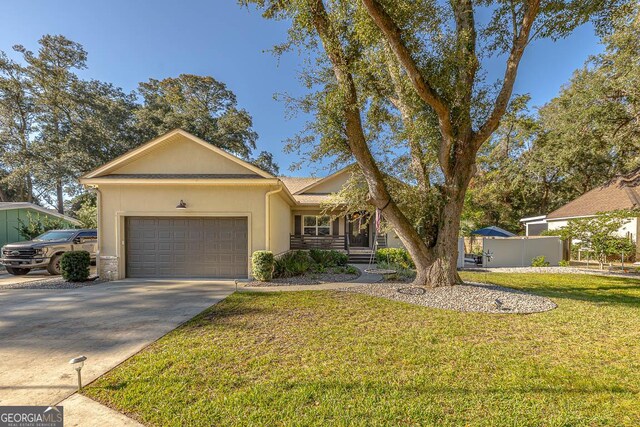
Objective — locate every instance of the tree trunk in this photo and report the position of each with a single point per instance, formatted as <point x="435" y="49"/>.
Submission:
<point x="60" y="197"/>
<point x="441" y="267"/>
<point x="29" y="194"/>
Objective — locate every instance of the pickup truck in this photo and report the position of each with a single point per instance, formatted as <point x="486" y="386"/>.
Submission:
<point x="46" y="250"/>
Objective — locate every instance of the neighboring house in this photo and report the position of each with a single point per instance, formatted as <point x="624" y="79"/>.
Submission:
<point x="181" y="207"/>
<point x="11" y="213"/>
<point x="535" y="225"/>
<point x="620" y="193"/>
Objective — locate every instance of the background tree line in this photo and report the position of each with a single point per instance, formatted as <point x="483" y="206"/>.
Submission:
<point x="538" y="161"/>
<point x="56" y="126"/>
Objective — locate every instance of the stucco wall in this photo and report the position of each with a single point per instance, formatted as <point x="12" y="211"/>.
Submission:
<point x="119" y="201"/>
<point x="280" y="218"/>
<point x="331" y="185"/>
<point x="393" y="241"/>
<point x="172" y="156"/>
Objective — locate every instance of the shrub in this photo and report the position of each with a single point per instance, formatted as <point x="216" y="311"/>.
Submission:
<point x="394" y="256"/>
<point x="75" y="266"/>
<point x="263" y="264"/>
<point x="37" y="225"/>
<point x="564" y="263"/>
<point x="328" y="258"/>
<point x="292" y="263"/>
<point x="539" y="261"/>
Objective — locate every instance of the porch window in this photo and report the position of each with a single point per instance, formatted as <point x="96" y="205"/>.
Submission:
<point x="316" y="225"/>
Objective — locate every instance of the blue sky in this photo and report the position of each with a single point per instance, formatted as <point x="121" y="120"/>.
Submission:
<point x="132" y="41"/>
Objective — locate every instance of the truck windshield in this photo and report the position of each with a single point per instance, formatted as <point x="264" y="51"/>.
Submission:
<point x="55" y="235"/>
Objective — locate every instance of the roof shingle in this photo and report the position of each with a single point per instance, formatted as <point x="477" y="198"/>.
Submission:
<point x="620" y="193"/>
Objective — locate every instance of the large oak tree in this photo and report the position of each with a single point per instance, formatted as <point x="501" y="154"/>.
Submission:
<point x="439" y="47"/>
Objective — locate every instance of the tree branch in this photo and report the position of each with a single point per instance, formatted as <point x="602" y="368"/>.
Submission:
<point x="355" y="133"/>
<point x="502" y="100"/>
<point x="424" y="89"/>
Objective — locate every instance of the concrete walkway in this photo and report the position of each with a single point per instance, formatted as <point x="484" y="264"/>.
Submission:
<point x="364" y="279"/>
<point x="80" y="411"/>
<point x="41" y="329"/>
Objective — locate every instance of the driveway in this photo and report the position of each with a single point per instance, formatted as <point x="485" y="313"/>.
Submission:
<point x="40" y="330"/>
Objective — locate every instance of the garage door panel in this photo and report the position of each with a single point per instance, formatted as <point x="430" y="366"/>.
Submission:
<point x="186" y="247"/>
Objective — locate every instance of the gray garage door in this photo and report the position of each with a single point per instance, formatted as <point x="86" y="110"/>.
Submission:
<point x="186" y="247"/>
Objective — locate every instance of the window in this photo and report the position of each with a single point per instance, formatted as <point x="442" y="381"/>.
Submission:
<point x="87" y="236"/>
<point x="316" y="225"/>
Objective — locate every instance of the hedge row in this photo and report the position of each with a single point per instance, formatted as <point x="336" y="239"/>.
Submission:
<point x="294" y="263"/>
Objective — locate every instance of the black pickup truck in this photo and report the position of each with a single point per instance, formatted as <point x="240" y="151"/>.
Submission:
<point x="46" y="250"/>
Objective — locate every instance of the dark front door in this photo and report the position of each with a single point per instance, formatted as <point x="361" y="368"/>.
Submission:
<point x="359" y="232"/>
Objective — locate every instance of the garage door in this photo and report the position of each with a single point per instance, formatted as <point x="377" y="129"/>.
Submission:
<point x="186" y="247"/>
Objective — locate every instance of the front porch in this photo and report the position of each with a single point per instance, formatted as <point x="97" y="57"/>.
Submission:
<point x="353" y="235"/>
<point x="340" y="242"/>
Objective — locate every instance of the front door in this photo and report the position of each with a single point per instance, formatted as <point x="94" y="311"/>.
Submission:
<point x="359" y="231"/>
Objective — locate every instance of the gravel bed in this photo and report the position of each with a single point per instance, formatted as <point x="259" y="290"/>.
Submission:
<point x="475" y="297"/>
<point x="54" y="283"/>
<point x="306" y="279"/>
<point x="553" y="270"/>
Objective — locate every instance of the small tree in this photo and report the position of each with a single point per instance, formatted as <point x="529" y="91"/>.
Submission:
<point x="36" y="225"/>
<point x="600" y="233"/>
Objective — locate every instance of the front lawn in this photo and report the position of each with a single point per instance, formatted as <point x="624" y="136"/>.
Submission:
<point x="322" y="357"/>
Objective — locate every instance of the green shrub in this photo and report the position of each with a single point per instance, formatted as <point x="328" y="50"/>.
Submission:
<point x="394" y="256"/>
<point x="564" y="263"/>
<point x="539" y="261"/>
<point x="403" y="274"/>
<point x="75" y="266"/>
<point x="328" y="258"/>
<point x="263" y="263"/>
<point x="292" y="263"/>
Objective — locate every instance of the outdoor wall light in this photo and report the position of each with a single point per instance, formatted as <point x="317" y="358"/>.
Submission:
<point x="78" y="363"/>
<point x="181" y="205"/>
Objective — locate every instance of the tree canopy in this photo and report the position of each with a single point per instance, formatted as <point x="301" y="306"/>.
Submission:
<point x="404" y="82"/>
<point x="580" y="139"/>
<point x="55" y="126"/>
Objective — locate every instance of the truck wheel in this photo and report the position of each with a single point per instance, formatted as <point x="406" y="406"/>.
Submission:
<point x="17" y="271"/>
<point x="54" y="265"/>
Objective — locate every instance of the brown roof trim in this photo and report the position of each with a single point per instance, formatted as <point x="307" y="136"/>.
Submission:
<point x="180" y="176"/>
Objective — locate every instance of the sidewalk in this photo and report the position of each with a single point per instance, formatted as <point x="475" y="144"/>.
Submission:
<point x="80" y="411"/>
<point x="364" y="279"/>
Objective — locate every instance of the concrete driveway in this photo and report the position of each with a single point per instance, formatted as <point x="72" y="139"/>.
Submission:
<point x="40" y="330"/>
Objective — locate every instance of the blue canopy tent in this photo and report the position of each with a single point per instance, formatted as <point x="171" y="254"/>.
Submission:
<point x="492" y="231"/>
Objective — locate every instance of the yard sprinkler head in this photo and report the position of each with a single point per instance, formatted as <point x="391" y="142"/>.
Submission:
<point x="78" y="363"/>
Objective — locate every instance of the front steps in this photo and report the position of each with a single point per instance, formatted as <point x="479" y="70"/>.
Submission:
<point x="361" y="256"/>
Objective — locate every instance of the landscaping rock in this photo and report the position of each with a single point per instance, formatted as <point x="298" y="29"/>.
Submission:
<point x="475" y="297"/>
<point x="306" y="279"/>
<point x="53" y="283"/>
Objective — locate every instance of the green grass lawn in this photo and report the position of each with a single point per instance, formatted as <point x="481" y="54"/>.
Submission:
<point x="318" y="358"/>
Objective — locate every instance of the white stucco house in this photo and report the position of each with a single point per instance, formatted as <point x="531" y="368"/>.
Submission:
<point x="622" y="192"/>
<point x="181" y="207"/>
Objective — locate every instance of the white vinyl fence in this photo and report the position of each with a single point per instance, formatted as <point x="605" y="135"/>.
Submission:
<point x="460" y="252"/>
<point x="520" y="251"/>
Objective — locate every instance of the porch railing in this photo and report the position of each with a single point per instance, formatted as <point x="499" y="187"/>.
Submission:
<point x="297" y="241"/>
